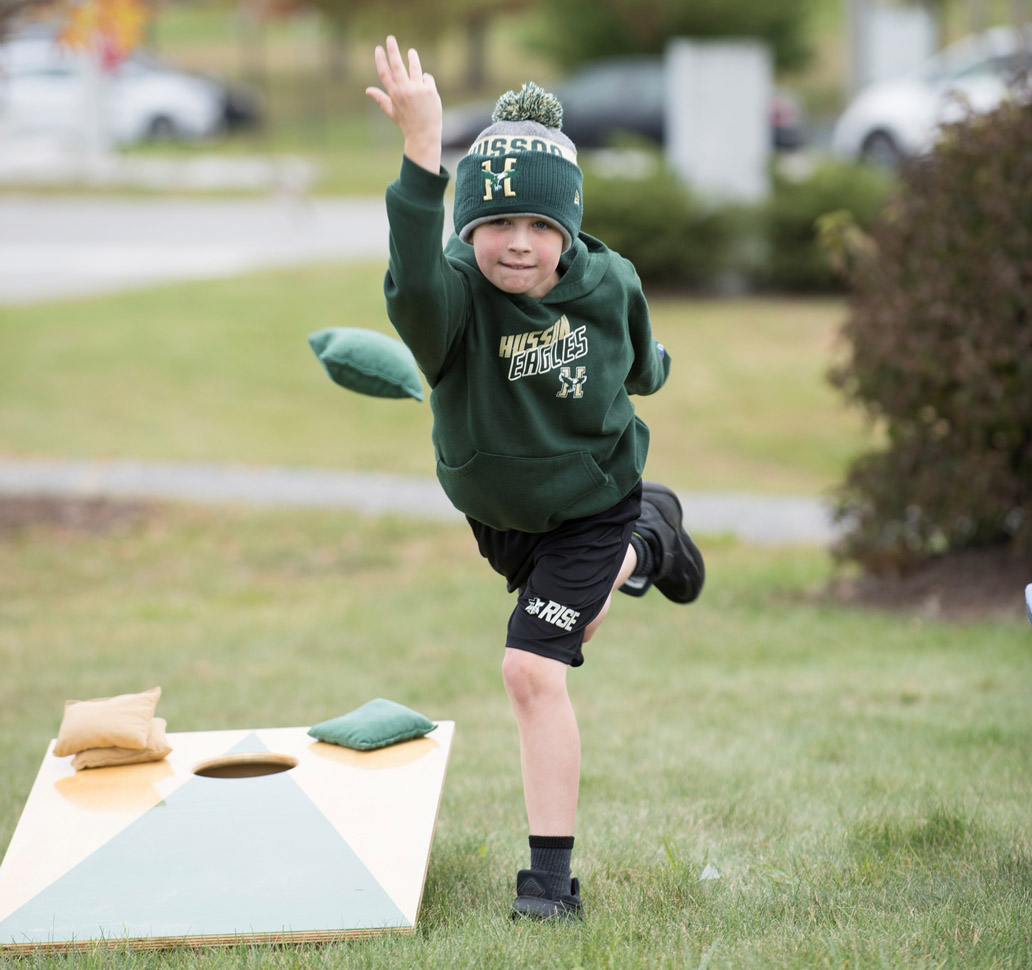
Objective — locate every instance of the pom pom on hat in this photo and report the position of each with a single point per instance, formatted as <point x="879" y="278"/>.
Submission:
<point x="531" y="103"/>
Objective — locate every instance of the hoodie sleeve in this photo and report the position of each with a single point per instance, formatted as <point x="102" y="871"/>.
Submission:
<point x="427" y="298"/>
<point x="651" y="365"/>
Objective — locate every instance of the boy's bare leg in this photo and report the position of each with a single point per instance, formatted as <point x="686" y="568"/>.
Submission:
<point x="549" y="740"/>
<point x="549" y="736"/>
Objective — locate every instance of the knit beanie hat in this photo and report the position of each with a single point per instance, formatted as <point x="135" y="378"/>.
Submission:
<point x="521" y="164"/>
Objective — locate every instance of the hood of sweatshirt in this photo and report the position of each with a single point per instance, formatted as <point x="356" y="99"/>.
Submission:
<point x="582" y="268"/>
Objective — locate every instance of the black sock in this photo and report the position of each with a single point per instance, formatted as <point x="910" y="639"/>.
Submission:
<point x="643" y="550"/>
<point x="639" y="582"/>
<point x="551" y="854"/>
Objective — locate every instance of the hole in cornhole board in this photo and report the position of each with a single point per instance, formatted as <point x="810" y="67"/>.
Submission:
<point x="245" y="765"/>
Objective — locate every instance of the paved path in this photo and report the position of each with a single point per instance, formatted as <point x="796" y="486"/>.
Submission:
<point x="765" y="520"/>
<point x="52" y="247"/>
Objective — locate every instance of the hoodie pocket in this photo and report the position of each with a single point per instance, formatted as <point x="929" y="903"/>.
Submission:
<point x="521" y="493"/>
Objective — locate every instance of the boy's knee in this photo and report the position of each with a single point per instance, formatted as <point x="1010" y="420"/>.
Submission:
<point x="528" y="677"/>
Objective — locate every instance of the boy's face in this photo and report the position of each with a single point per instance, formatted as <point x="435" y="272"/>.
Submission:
<point x="519" y="254"/>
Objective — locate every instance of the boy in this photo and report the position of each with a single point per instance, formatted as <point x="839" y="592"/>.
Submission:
<point x="531" y="336"/>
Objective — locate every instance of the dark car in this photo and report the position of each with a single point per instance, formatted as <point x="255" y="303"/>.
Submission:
<point x="606" y="99"/>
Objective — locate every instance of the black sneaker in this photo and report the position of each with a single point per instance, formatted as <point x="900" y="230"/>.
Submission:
<point x="679" y="571"/>
<point x="533" y="902"/>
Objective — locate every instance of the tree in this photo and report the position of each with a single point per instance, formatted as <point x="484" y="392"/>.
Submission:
<point x="476" y="17"/>
<point x="939" y="342"/>
<point x="112" y="27"/>
<point x="11" y="11"/>
<point x="580" y="30"/>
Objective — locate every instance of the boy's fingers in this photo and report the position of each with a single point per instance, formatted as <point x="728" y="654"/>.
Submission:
<point x="415" y="71"/>
<point x="385" y="103"/>
<point x="398" y="80"/>
<point x="397" y="65"/>
<point x="382" y="67"/>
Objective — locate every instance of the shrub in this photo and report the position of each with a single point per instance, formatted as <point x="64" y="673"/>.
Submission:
<point x="939" y="340"/>
<point x="658" y="224"/>
<point x="674" y="239"/>
<point x="795" y="261"/>
<point x="572" y="31"/>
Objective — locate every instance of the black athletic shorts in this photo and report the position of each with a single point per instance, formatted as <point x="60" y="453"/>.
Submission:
<point x="564" y="576"/>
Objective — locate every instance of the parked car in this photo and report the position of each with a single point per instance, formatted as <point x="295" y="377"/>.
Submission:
<point x="46" y="88"/>
<point x="611" y="97"/>
<point x="901" y="117"/>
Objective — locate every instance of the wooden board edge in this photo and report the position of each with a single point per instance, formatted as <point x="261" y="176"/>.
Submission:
<point x="433" y="830"/>
<point x="199" y="942"/>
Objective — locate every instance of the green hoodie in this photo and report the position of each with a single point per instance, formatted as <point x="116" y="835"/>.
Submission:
<point x="532" y="420"/>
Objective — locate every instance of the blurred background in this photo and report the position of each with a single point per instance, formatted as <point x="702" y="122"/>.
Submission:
<point x="758" y="115"/>
<point x="285" y="78"/>
<point x="731" y="148"/>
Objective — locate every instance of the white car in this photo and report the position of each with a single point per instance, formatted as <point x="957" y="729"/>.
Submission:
<point x="901" y="117"/>
<point x="48" y="89"/>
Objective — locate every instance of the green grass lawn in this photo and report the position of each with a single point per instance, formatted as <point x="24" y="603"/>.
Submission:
<point x="861" y="781"/>
<point x="221" y="371"/>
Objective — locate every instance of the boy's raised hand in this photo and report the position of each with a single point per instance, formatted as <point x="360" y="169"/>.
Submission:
<point x="409" y="98"/>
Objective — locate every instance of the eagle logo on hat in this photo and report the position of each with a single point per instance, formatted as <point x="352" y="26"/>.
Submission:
<point x="497" y="179"/>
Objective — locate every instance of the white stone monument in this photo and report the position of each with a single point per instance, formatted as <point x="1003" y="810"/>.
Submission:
<point x="718" y="128"/>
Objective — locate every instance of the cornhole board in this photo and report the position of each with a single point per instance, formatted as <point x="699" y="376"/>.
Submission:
<point x="158" y="855"/>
